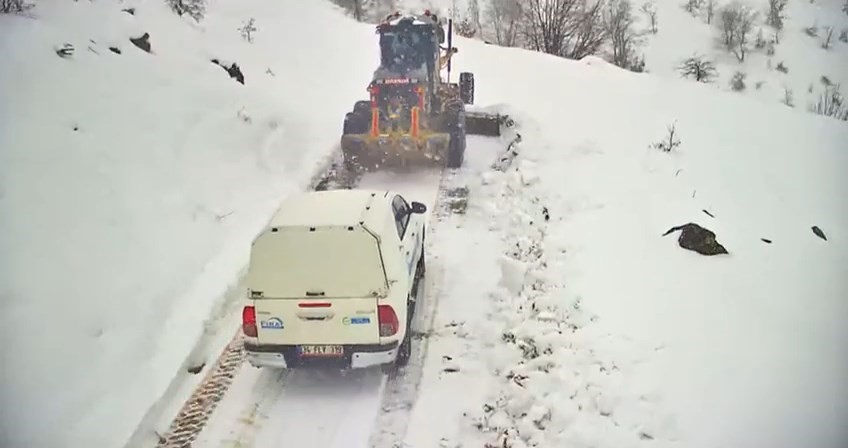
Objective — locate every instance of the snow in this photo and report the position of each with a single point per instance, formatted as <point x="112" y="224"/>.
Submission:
<point x="651" y="342"/>
<point x="681" y="35"/>
<point x="124" y="234"/>
<point x="562" y="318"/>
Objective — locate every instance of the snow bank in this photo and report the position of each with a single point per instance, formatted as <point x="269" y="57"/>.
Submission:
<point x="619" y="337"/>
<point x="131" y="185"/>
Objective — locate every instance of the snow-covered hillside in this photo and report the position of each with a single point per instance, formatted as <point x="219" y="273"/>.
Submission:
<point x="131" y="185"/>
<point x="793" y="65"/>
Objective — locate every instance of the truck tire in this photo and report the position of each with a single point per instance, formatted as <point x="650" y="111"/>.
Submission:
<point x="405" y="350"/>
<point x="466" y="87"/>
<point x="362" y="107"/>
<point x="456" y="150"/>
<point x="355" y="123"/>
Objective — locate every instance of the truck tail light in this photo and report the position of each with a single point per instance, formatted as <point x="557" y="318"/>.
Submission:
<point x="389" y="324"/>
<point x="248" y="321"/>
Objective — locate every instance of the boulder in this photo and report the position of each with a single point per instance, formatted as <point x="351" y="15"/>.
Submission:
<point x="698" y="239"/>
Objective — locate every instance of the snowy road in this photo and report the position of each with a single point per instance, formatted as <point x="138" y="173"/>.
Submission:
<point x="264" y="407"/>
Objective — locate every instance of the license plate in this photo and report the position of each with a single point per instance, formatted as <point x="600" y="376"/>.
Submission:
<point x="321" y="350"/>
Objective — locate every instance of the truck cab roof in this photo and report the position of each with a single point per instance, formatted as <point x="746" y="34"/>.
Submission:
<point x="343" y="208"/>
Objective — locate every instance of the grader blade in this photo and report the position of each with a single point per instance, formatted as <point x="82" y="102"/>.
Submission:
<point x="482" y="123"/>
<point x="369" y="153"/>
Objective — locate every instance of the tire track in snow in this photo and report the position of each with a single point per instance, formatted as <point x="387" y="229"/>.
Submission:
<point x="197" y="410"/>
<point x="403" y="383"/>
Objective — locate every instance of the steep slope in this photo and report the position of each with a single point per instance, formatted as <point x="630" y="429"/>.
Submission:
<point x="595" y="330"/>
<point x="131" y="185"/>
<point x="798" y="64"/>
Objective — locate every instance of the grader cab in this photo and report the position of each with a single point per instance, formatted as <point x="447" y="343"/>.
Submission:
<point x="414" y="115"/>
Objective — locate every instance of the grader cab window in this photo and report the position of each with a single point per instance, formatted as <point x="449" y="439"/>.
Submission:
<point x="404" y="49"/>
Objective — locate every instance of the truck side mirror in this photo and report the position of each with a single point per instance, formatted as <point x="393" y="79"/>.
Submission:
<point x="418" y="207"/>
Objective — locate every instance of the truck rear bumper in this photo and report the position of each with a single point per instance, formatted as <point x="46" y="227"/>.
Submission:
<point x="286" y="356"/>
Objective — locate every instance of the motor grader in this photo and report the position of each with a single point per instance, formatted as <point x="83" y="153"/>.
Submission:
<point x="415" y="116"/>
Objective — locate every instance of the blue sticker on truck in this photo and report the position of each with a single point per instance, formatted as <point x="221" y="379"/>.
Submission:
<point x="356" y="320"/>
<point x="273" y="323"/>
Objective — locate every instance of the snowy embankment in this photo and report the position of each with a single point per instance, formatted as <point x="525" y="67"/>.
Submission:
<point x="132" y="183"/>
<point x="586" y="327"/>
<point x="800" y="60"/>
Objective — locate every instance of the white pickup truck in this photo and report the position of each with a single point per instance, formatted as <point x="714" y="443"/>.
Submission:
<point x="333" y="279"/>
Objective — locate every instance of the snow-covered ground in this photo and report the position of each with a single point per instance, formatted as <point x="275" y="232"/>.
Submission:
<point x="564" y="317"/>
<point x="131" y="185"/>
<point x="799" y="64"/>
<point x="638" y="340"/>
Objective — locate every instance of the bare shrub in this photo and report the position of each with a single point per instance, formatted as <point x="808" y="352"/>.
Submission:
<point x="788" y="97"/>
<point x="15" y="6"/>
<point x="192" y="8"/>
<point x="737" y="83"/>
<point x="465" y="27"/>
<point x="781" y="67"/>
<point x="670" y="142"/>
<point x="693" y="6"/>
<point x="831" y="103"/>
<point x="699" y="68"/>
<point x="247" y="29"/>
<point x="812" y="31"/>
<point x="843" y="36"/>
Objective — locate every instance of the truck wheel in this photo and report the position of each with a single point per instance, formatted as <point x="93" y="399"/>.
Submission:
<point x="456" y="150"/>
<point x="355" y="123"/>
<point x="362" y="107"/>
<point x="405" y="350"/>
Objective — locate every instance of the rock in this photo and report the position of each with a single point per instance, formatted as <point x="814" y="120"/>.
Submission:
<point x="130" y="11"/>
<point x="233" y="70"/>
<point x="698" y="239"/>
<point x="819" y="232"/>
<point x="66" y="51"/>
<point x="765" y="240"/>
<point x="115" y="50"/>
<point x="194" y="370"/>
<point x="142" y="42"/>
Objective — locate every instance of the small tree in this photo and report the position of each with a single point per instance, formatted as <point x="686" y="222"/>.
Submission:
<point x="699" y="68"/>
<point x="736" y="22"/>
<point x="192" y="8"/>
<point x="619" y="22"/>
<point x="776" y="14"/>
<point x="710" y="11"/>
<point x="505" y="19"/>
<point x="650" y="10"/>
<point x="465" y="28"/>
<point x="248" y="29"/>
